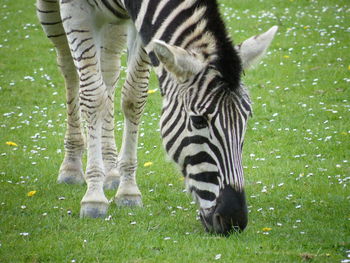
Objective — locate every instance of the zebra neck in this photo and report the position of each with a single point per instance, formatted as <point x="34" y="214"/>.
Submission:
<point x="194" y="25"/>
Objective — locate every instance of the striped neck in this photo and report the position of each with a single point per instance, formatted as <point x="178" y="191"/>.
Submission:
<point x="194" y="25"/>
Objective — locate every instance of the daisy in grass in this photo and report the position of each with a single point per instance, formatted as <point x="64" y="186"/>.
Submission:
<point x="148" y="164"/>
<point x="11" y="143"/>
<point x="151" y="91"/>
<point x="31" y="193"/>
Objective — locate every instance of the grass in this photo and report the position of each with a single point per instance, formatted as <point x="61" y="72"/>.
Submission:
<point x="296" y="153"/>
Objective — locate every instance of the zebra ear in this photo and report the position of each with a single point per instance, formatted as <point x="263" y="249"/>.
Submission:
<point x="177" y="60"/>
<point x="254" y="48"/>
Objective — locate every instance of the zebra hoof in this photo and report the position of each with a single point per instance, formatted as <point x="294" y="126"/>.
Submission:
<point x="93" y="210"/>
<point x="128" y="201"/>
<point x="111" y="182"/>
<point x="71" y="176"/>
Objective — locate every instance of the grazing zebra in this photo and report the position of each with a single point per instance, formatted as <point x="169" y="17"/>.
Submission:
<point x="205" y="105"/>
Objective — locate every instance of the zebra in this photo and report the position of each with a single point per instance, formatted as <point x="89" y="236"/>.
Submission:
<point x="205" y="104"/>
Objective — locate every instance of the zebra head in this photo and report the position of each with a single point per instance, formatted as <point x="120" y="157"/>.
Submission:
<point x="203" y="125"/>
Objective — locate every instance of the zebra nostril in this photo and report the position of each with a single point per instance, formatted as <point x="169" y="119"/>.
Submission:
<point x="219" y="224"/>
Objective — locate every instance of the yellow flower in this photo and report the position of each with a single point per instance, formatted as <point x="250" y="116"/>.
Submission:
<point x="267" y="229"/>
<point x="11" y="143"/>
<point x="286" y="56"/>
<point x="306" y="27"/>
<point x="148" y="164"/>
<point x="151" y="91"/>
<point x="349" y="67"/>
<point x="31" y="193"/>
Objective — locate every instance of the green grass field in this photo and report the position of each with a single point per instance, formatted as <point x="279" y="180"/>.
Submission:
<point x="296" y="155"/>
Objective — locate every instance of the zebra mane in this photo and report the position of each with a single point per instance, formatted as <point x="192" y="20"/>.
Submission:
<point x="228" y="62"/>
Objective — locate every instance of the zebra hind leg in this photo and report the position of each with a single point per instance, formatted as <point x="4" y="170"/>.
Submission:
<point x="113" y="41"/>
<point x="71" y="170"/>
<point x="134" y="95"/>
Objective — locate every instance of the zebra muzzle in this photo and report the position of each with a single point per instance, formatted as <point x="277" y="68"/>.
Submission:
<point x="230" y="215"/>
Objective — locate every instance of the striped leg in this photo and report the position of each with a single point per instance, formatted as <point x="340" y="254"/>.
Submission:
<point x="113" y="41"/>
<point x="84" y="40"/>
<point x="71" y="170"/>
<point x="134" y="95"/>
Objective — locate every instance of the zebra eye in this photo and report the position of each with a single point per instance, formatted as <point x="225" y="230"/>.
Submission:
<point x="199" y="122"/>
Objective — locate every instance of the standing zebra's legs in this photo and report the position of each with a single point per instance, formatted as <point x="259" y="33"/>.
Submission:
<point x="134" y="95"/>
<point x="84" y="39"/>
<point x="112" y="43"/>
<point x="71" y="170"/>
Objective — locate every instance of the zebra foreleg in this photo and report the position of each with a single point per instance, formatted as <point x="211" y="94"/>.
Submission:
<point x="134" y="95"/>
<point x="113" y="41"/>
<point x="71" y="170"/>
<point x="83" y="38"/>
